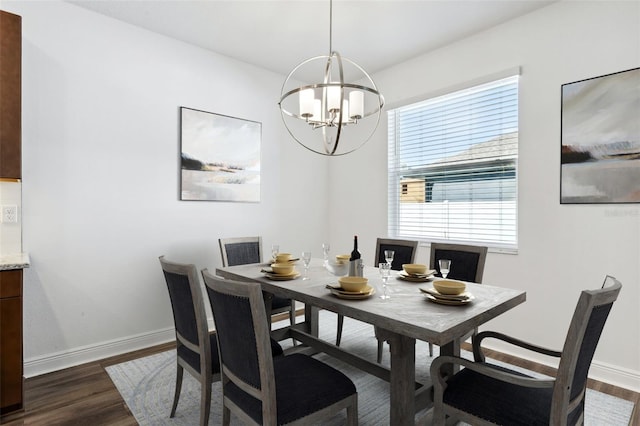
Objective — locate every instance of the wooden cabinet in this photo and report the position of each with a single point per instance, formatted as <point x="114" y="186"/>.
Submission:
<point x="11" y="98"/>
<point x="11" y="364"/>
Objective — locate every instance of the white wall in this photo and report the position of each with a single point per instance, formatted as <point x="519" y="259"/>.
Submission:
<point x="562" y="248"/>
<point x="101" y="178"/>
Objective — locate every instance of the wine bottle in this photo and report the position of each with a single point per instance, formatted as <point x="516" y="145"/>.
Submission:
<point x="355" y="254"/>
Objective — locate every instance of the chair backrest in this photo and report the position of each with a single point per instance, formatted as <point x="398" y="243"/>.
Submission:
<point x="467" y="262"/>
<point x="243" y="339"/>
<point x="240" y="251"/>
<point x="405" y="252"/>
<point x="187" y="303"/>
<point x="585" y="329"/>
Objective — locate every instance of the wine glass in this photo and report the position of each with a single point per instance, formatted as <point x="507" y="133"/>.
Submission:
<point x="388" y="256"/>
<point x="445" y="265"/>
<point x="306" y="259"/>
<point x="385" y="272"/>
<point x="325" y="252"/>
<point x="275" y="249"/>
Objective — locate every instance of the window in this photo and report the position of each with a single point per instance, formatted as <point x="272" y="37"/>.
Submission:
<point x="453" y="167"/>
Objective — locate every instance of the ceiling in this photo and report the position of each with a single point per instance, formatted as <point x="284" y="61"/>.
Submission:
<point x="279" y="34"/>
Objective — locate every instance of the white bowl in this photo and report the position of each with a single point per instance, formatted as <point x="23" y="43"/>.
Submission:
<point x="338" y="269"/>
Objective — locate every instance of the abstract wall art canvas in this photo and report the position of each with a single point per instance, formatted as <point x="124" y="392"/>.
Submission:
<point x="600" y="140"/>
<point x="220" y="157"/>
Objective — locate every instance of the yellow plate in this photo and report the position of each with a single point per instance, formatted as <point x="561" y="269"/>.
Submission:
<point x="433" y="292"/>
<point x="366" y="290"/>
<point x="414" y="278"/>
<point x="280" y="277"/>
<point x="352" y="296"/>
<point x="449" y="302"/>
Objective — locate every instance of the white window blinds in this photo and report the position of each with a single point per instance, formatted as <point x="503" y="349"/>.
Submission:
<point x="453" y="167"/>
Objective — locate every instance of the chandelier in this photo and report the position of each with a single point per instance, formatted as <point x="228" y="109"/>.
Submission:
<point x="336" y="115"/>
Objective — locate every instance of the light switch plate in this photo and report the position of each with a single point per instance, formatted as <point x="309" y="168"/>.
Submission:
<point x="10" y="214"/>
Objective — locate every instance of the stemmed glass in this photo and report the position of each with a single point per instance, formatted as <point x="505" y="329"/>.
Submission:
<point x="445" y="265"/>
<point x="385" y="272"/>
<point x="325" y="252"/>
<point x="388" y="256"/>
<point x="275" y="249"/>
<point x="306" y="259"/>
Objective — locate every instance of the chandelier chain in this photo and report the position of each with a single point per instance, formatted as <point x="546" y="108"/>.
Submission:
<point x="330" y="27"/>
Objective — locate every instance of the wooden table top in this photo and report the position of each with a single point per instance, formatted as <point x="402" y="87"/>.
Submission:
<point x="407" y="312"/>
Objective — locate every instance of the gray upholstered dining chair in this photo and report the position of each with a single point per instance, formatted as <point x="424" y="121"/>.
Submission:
<point x="467" y="264"/>
<point x="484" y="394"/>
<point x="246" y="250"/>
<point x="405" y="252"/>
<point x="467" y="261"/>
<point x="256" y="387"/>
<point x="196" y="347"/>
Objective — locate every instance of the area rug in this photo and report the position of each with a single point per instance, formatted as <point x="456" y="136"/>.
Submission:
<point x="147" y="385"/>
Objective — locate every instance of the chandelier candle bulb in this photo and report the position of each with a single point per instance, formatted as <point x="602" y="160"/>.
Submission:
<point x="333" y="95"/>
<point x="356" y="100"/>
<point x="317" y="109"/>
<point x="306" y="103"/>
<point x="345" y="110"/>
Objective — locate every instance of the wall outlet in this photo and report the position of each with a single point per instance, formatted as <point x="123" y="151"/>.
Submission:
<point x="9" y="214"/>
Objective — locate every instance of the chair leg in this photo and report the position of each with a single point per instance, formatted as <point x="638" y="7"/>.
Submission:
<point x="292" y="318"/>
<point x="380" y="346"/>
<point x="205" y="401"/>
<point x="176" y="396"/>
<point x="339" y="331"/>
<point x="226" y="416"/>
<point x="352" y="412"/>
<point x="439" y="416"/>
<point x="430" y="349"/>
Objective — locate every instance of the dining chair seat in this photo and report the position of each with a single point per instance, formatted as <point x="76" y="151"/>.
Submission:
<point x="473" y="392"/>
<point x="303" y="385"/>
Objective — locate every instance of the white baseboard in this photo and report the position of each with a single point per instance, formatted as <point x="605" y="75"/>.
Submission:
<point x="60" y="360"/>
<point x="616" y="376"/>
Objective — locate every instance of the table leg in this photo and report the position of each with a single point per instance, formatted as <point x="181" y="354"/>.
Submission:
<point x="311" y="319"/>
<point x="452" y="348"/>
<point x="403" y="377"/>
<point x="268" y="298"/>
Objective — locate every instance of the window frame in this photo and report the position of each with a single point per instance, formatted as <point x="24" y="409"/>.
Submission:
<point x="395" y="172"/>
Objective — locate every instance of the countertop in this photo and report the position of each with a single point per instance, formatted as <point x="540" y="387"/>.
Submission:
<point x="14" y="261"/>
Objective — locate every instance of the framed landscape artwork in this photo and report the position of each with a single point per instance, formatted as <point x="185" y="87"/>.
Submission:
<point x="600" y="140"/>
<point x="220" y="157"/>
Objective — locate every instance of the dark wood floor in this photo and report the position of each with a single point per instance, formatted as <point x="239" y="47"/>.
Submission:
<point x="85" y="395"/>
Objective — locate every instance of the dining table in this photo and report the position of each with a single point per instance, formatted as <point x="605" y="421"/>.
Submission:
<point x="408" y="315"/>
